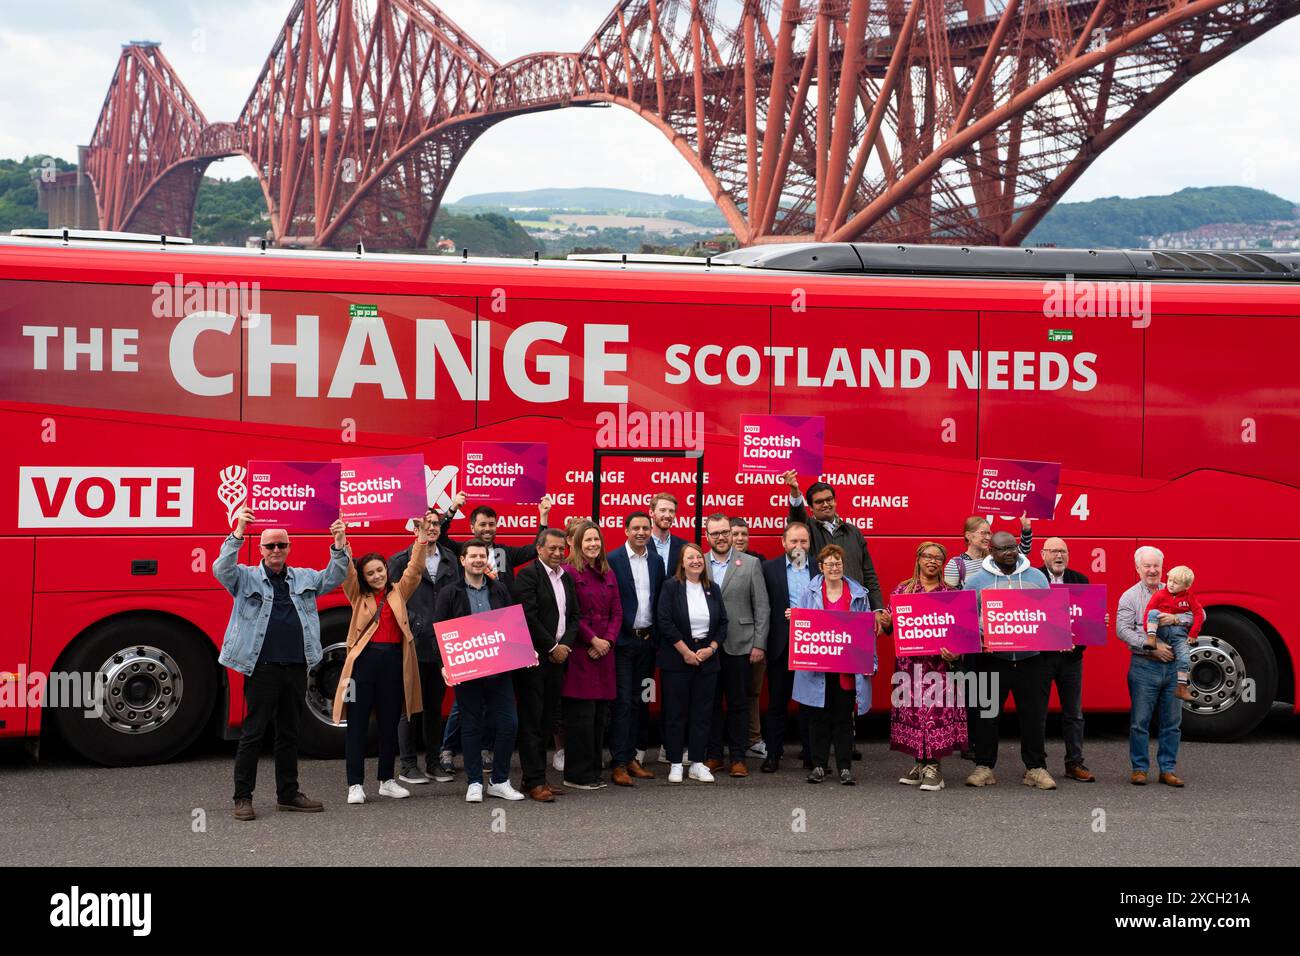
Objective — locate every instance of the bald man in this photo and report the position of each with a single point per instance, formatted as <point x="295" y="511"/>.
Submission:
<point x="1065" y="668"/>
<point x="273" y="638"/>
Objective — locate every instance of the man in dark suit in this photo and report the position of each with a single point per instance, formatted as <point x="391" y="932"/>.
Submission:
<point x="1066" y="667"/>
<point x="503" y="559"/>
<point x="663" y="512"/>
<point x="786" y="578"/>
<point x="550" y="603"/>
<point x="440" y="569"/>
<point x="640" y="575"/>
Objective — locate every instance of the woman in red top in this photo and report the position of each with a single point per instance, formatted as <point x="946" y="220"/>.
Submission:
<point x="381" y="667"/>
<point x="589" y="683"/>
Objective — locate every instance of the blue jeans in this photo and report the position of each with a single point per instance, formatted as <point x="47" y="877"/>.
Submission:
<point x="1175" y="635"/>
<point x="451" y="734"/>
<point x="1151" y="686"/>
<point x="496" y="695"/>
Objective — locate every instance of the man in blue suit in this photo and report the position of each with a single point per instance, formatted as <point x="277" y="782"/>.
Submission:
<point x="640" y="574"/>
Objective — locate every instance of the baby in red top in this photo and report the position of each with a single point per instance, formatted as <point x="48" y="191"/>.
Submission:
<point x="1177" y="598"/>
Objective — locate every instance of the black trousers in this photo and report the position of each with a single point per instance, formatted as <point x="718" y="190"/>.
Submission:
<point x="1065" y="669"/>
<point x="1029" y="682"/>
<point x="273" y="692"/>
<point x="584" y="735"/>
<point x="432" y="689"/>
<point x="832" y="723"/>
<point x="537" y="690"/>
<point x="377" y="682"/>
<point x="780" y="683"/>
<point x="634" y="664"/>
<point x="734" y="726"/>
<point x="687" y="711"/>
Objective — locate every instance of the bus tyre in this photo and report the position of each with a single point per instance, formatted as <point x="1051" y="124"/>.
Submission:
<point x="1233" y="678"/>
<point x="146" y="689"/>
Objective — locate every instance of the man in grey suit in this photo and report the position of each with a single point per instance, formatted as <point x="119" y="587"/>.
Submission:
<point x="744" y="595"/>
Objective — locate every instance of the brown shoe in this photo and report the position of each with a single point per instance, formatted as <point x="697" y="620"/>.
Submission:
<point x="635" y="769"/>
<point x="303" y="804"/>
<point x="738" y="769"/>
<point x="1183" y="692"/>
<point x="244" y="810"/>
<point x="1081" y="773"/>
<point x="713" y="765"/>
<point x="542" y="794"/>
<point x="555" y="791"/>
<point x="1139" y="778"/>
<point x="620" y="778"/>
<point x="1172" y="779"/>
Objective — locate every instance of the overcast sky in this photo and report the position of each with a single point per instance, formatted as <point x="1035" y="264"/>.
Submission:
<point x="1233" y="125"/>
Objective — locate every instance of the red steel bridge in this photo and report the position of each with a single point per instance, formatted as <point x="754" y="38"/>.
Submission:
<point x="957" y="121"/>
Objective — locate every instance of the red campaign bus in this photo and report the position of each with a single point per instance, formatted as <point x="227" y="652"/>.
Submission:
<point x="140" y="378"/>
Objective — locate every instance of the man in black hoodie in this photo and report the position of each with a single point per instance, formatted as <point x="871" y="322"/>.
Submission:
<point x="440" y="568"/>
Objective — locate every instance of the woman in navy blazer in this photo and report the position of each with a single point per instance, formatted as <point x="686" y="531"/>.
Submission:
<point x="692" y="625"/>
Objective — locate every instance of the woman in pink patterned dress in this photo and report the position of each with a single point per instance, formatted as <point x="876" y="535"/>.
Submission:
<point x="931" y="725"/>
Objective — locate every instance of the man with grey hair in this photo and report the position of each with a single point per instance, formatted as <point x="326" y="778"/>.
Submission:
<point x="1152" y="675"/>
<point x="273" y="638"/>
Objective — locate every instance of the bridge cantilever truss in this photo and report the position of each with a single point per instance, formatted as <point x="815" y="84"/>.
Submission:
<point x="957" y="121"/>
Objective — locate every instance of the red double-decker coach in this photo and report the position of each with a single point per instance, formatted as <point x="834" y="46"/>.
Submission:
<point x="140" y="376"/>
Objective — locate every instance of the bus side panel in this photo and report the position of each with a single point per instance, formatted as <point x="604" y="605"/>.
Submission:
<point x="18" y="556"/>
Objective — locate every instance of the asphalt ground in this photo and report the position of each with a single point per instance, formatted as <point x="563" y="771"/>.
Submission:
<point x="1241" y="806"/>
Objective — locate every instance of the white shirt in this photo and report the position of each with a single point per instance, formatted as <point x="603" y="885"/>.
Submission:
<point x="697" y="610"/>
<point x="1054" y="579"/>
<point x="557" y="585"/>
<point x="640" y="564"/>
<point x="431" y="561"/>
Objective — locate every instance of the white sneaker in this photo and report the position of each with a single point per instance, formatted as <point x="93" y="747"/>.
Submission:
<point x="640" y="757"/>
<point x="391" y="788"/>
<point x="504" y="791"/>
<point x="474" y="793"/>
<point x="758" y="749"/>
<point x="558" y="760"/>
<point x="701" y="773"/>
<point x="675" y="773"/>
<point x="356" y="793"/>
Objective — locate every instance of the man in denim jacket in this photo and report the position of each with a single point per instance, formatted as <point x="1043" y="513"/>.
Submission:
<point x="272" y="639"/>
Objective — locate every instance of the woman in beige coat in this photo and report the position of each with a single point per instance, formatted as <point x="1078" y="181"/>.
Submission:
<point x="380" y="671"/>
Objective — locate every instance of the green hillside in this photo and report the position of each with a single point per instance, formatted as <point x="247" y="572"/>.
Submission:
<point x="586" y="199"/>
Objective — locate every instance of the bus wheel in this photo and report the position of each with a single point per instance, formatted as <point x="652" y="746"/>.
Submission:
<point x="1233" y="678"/>
<point x="154" y="688"/>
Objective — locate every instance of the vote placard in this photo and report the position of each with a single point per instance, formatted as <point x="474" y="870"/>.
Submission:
<point x="1087" y="613"/>
<point x="511" y="473"/>
<point x="832" y="642"/>
<point x="481" y="645"/>
<point x="1025" y="619"/>
<point x="928" y="621"/>
<point x="294" y="495"/>
<point x="381" y="489"/>
<point x="774" y="444"/>
<point x="1006" y="486"/>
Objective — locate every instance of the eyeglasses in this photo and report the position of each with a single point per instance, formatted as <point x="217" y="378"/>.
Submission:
<point x="1056" y="551"/>
<point x="824" y="500"/>
<point x="931" y="557"/>
<point x="276" y="545"/>
<point x="719" y="534"/>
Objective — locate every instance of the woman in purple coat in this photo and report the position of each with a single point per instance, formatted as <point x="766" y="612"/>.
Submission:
<point x="589" y="683"/>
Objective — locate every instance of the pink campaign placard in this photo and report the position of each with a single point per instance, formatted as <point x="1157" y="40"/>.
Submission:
<point x="481" y="645"/>
<point x="382" y="489"/>
<point x="1087" y="613"/>
<point x="294" y="495"/>
<point x="929" y="621"/>
<point x="1004" y="486"/>
<point x="773" y="444"/>
<point x="832" y="642"/>
<point x="503" y="472"/>
<point x="1032" y="619"/>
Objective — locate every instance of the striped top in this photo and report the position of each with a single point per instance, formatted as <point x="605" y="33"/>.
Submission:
<point x="961" y="566"/>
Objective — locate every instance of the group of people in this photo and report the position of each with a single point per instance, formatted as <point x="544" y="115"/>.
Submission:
<point x="713" y="620"/>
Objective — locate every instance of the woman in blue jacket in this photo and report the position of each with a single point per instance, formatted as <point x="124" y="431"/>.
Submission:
<point x="828" y="700"/>
<point x="692" y="625"/>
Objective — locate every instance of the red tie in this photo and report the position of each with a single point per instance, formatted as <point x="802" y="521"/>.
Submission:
<point x="846" y="681"/>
